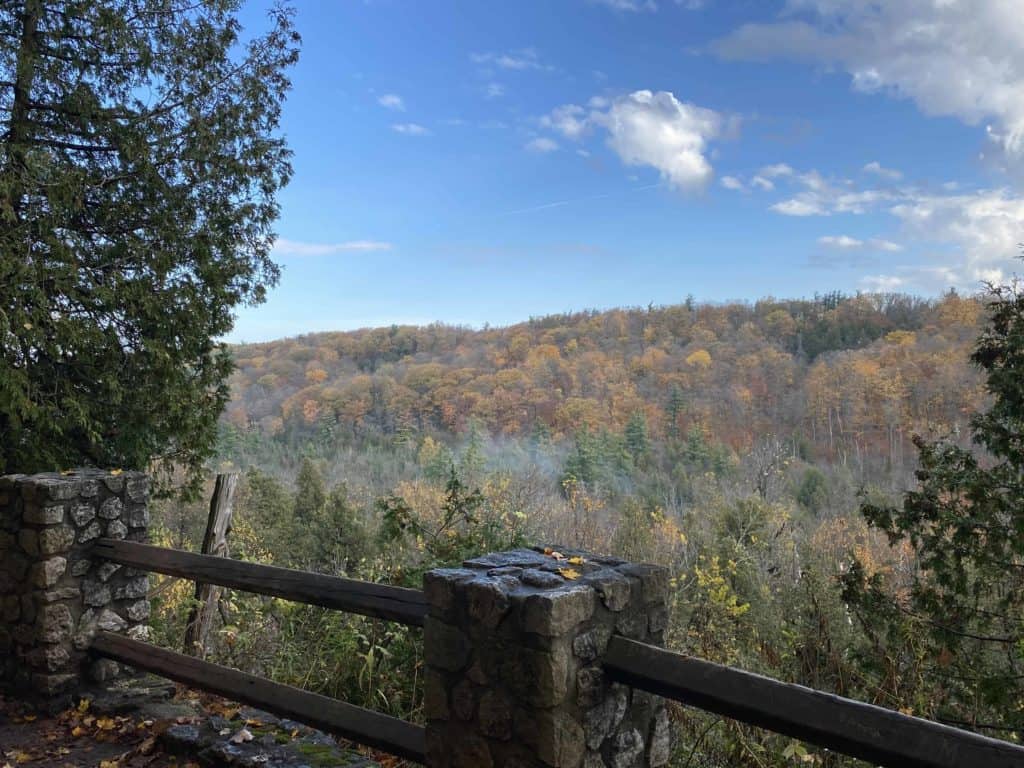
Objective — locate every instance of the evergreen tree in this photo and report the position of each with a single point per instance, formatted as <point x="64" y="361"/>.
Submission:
<point x="676" y="406"/>
<point x="139" y="164"/>
<point x="965" y="521"/>
<point x="637" y="442"/>
<point x="310" y="492"/>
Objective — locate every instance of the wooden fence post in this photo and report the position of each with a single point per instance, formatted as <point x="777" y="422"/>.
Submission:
<point x="215" y="542"/>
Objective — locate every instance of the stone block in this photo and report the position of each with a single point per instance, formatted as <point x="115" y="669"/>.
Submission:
<point x="556" y="612"/>
<point x="55" y="595"/>
<point x="10" y="609"/>
<point x="133" y="589"/>
<point x="138" y="611"/>
<point x="56" y="539"/>
<point x="82" y="514"/>
<point x="111" y="509"/>
<point x="109" y="621"/>
<point x="49" y="658"/>
<point x="28" y="540"/>
<point x="659" y="749"/>
<point x="445" y="647"/>
<point x="54" y="623"/>
<point x="614" y="589"/>
<point x="137" y="487"/>
<point x="539" y="678"/>
<point x="487" y="601"/>
<point x="435" y="696"/>
<point x="50" y="514"/>
<point x="106" y="570"/>
<point x="495" y="713"/>
<point x="561" y="741"/>
<point x="138" y="516"/>
<point x="90" y="533"/>
<point x="47" y="573"/>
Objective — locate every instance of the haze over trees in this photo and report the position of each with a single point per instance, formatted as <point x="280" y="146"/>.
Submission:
<point x="843" y="378"/>
<point x="764" y="453"/>
<point x="139" y="164"/>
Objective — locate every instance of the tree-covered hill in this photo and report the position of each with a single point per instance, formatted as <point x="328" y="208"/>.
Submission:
<point x="848" y="378"/>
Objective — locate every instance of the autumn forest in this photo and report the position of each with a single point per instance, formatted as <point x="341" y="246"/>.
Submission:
<point x="735" y="443"/>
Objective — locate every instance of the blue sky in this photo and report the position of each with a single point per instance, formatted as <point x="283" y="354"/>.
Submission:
<point x="483" y="162"/>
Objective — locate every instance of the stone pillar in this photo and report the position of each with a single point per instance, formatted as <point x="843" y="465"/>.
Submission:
<point x="53" y="597"/>
<point x="513" y="645"/>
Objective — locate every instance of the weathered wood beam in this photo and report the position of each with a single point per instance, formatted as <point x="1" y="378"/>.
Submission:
<point x="351" y="722"/>
<point x="853" y="728"/>
<point x="405" y="606"/>
<point x="215" y="542"/>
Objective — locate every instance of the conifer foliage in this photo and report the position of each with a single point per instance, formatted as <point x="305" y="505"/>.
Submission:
<point x="139" y="162"/>
<point x="964" y="608"/>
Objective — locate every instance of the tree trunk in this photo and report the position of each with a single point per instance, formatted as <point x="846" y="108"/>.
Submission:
<point x="215" y="542"/>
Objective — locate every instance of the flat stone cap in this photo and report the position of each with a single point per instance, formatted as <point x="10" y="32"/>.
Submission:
<point x="528" y="580"/>
<point x="58" y="486"/>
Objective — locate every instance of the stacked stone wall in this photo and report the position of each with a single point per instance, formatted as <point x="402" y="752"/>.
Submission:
<point x="53" y="595"/>
<point x="514" y="644"/>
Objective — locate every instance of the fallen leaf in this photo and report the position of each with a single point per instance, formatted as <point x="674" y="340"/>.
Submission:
<point x="106" y="724"/>
<point x="147" y="746"/>
<point x="569" y="573"/>
<point x="78" y="731"/>
<point x="116" y="471"/>
<point x="577" y="560"/>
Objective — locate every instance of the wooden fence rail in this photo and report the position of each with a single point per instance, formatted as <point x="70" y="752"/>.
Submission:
<point x="355" y="723"/>
<point x="405" y="606"/>
<point x="849" y="727"/>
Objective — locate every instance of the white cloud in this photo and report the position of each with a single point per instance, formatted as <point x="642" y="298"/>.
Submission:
<point x="494" y="90"/>
<point x="542" y="145"/>
<point x="984" y="229"/>
<point x="411" y="129"/>
<point x="883" y="283"/>
<point x="820" y="196"/>
<point x="959" y="58"/>
<point x="652" y="129"/>
<point x="518" y="60"/>
<point x="731" y="182"/>
<point x="570" y="120"/>
<point x="392" y="101"/>
<point x="283" y="247"/>
<point x="582" y="153"/>
<point x="797" y="207"/>
<point x="779" y="169"/>
<point x="658" y="130"/>
<point x="762" y="183"/>
<point x="879" y="170"/>
<point x="840" y="241"/>
<point x="628" y="5"/>
<point x="885" y="245"/>
<point x="848" y="243"/>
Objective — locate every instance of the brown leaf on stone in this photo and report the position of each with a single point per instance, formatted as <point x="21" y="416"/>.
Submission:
<point x="569" y="573"/>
